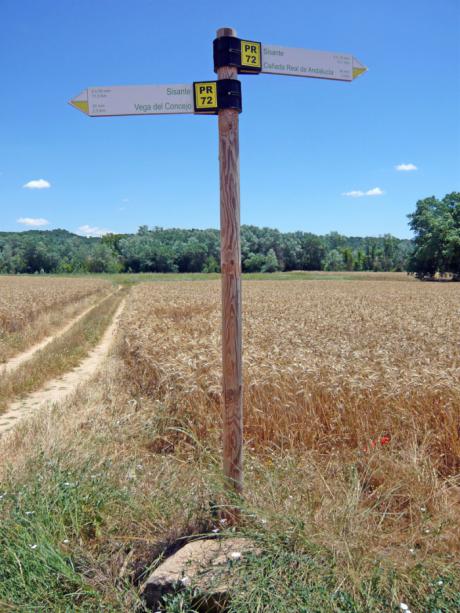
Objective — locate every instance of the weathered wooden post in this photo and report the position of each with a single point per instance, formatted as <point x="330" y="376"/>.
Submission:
<point x="229" y="164"/>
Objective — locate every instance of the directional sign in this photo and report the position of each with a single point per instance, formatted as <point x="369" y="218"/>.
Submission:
<point x="231" y="56"/>
<point x="135" y="100"/>
<point x="306" y="63"/>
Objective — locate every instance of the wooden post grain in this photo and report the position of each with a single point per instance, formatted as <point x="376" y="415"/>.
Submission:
<point x="229" y="165"/>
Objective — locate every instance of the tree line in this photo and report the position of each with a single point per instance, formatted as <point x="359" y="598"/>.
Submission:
<point x="434" y="251"/>
<point x="179" y="250"/>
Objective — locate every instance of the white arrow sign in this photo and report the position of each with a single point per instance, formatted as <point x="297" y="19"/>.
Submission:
<point x="135" y="100"/>
<point x="307" y="63"/>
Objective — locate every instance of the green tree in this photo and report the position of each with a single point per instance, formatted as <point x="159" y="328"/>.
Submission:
<point x="360" y="260"/>
<point x="334" y="261"/>
<point x="347" y="255"/>
<point x="436" y="225"/>
<point x="192" y="256"/>
<point x="312" y="252"/>
<point x="101" y="259"/>
<point x="254" y="262"/>
<point x="271" y="262"/>
<point x="211" y="265"/>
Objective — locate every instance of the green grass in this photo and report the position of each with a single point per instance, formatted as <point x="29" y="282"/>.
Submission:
<point x="47" y="526"/>
<point x="291" y="574"/>
<point x="55" y="522"/>
<point x="132" y="278"/>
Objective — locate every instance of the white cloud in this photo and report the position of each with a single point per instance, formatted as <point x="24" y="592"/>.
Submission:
<point x="357" y="193"/>
<point x="87" y="230"/>
<point x="31" y="221"/>
<point x="37" y="184"/>
<point x="406" y="167"/>
<point x="375" y="191"/>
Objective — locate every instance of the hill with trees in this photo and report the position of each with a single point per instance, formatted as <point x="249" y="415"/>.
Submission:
<point x="180" y="250"/>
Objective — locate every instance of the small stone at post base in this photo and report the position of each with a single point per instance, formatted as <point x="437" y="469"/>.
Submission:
<point x="205" y="565"/>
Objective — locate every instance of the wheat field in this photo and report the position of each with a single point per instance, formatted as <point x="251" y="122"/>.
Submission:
<point x="336" y="374"/>
<point x="351" y="452"/>
<point x="32" y="307"/>
<point x="324" y="363"/>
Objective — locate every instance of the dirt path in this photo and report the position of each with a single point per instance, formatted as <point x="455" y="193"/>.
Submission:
<point x="58" y="389"/>
<point x="12" y="364"/>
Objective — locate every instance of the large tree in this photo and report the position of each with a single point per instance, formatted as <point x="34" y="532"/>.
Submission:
<point x="436" y="225"/>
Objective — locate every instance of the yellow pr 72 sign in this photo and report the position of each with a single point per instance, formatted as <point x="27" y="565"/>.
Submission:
<point x="251" y="55"/>
<point x="205" y="96"/>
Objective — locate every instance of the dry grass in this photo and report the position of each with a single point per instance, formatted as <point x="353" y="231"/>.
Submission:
<point x="32" y="308"/>
<point x="330" y="369"/>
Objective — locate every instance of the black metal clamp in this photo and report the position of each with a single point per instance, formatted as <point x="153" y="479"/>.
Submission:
<point x="229" y="94"/>
<point x="246" y="55"/>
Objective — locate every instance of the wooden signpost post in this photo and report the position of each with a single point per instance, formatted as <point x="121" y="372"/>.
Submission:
<point x="232" y="56"/>
<point x="230" y="258"/>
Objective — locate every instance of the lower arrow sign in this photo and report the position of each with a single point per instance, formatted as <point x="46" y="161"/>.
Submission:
<point x="135" y="100"/>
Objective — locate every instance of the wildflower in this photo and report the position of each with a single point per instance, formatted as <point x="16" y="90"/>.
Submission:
<point x="33" y="546"/>
<point x="235" y="555"/>
<point x="215" y="530"/>
<point x="383" y="440"/>
<point x="65" y="541"/>
<point x="403" y="606"/>
<point x="30" y="512"/>
<point x="412" y="551"/>
<point x="440" y="582"/>
<point x="423" y="509"/>
<point x="185" y="580"/>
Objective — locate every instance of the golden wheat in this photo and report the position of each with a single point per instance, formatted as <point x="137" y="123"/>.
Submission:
<point x="341" y="378"/>
<point x="31" y="307"/>
<point x="374" y="353"/>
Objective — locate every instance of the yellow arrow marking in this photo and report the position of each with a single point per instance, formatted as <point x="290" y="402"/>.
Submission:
<point x="358" y="71"/>
<point x="81" y="105"/>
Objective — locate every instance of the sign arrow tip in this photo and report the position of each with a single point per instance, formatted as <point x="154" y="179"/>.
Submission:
<point x="358" y="68"/>
<point x="80" y="102"/>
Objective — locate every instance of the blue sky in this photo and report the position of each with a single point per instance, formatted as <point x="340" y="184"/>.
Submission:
<point x="304" y="143"/>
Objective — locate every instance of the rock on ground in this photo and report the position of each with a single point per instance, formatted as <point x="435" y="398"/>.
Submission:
<point x="203" y="564"/>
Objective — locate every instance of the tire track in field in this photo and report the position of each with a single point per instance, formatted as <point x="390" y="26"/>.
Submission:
<point x="59" y="389"/>
<point x="15" y="362"/>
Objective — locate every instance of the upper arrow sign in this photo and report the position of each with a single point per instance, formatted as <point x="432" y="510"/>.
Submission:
<point x="307" y="63"/>
<point x="135" y="100"/>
